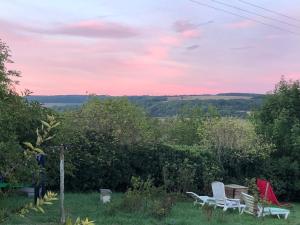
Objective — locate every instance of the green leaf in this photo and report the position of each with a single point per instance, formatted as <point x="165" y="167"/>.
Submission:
<point x="41" y="209"/>
<point x="29" y="145"/>
<point x="45" y="123"/>
<point x="39" y="140"/>
<point x="55" y="125"/>
<point x="50" y="118"/>
<point x="39" y="150"/>
<point x="48" y="203"/>
<point x="49" y="138"/>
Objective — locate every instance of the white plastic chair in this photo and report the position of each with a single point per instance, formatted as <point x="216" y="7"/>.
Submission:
<point x="222" y="201"/>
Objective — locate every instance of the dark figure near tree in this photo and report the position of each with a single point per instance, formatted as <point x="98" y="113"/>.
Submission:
<point x="39" y="183"/>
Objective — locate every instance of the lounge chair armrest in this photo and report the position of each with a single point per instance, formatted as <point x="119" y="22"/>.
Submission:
<point x="233" y="199"/>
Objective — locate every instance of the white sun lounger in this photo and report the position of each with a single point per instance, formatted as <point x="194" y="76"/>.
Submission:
<point x="256" y="209"/>
<point x="202" y="199"/>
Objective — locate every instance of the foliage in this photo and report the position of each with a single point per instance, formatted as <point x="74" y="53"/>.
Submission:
<point x="43" y="135"/>
<point x="179" y="177"/>
<point x="79" y="221"/>
<point x="18" y="120"/>
<point x="230" y="104"/>
<point x="145" y="198"/>
<point x="279" y="120"/>
<point x="3" y="214"/>
<point x="182" y="130"/>
<point x="99" y="138"/>
<point x="235" y="145"/>
<point x="124" y="122"/>
<point x="6" y="75"/>
<point x="38" y="207"/>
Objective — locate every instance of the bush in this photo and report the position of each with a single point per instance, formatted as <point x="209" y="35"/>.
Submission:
<point x="144" y="197"/>
<point x="179" y="177"/>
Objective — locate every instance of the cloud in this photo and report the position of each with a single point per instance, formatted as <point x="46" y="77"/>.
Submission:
<point x="242" y="48"/>
<point x="186" y="28"/>
<point x="241" y="24"/>
<point x="181" y="26"/>
<point x="64" y="65"/>
<point x="192" y="47"/>
<point x="85" y="28"/>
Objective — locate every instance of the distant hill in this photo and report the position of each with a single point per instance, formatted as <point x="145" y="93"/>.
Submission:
<point x="228" y="104"/>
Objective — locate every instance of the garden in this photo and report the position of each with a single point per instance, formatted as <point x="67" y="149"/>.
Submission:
<point x="148" y="163"/>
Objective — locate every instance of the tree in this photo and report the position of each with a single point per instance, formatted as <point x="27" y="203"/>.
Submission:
<point x="235" y="144"/>
<point x="118" y="118"/>
<point x="6" y="75"/>
<point x="183" y="129"/>
<point x="279" y="120"/>
<point x="17" y="121"/>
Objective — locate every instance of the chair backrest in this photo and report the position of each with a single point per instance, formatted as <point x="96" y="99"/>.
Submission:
<point x="218" y="189"/>
<point x="251" y="206"/>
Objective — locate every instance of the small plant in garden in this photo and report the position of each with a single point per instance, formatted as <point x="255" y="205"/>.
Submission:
<point x="3" y="214"/>
<point x="79" y="221"/>
<point x="208" y="211"/>
<point x="161" y="208"/>
<point x="253" y="190"/>
<point x="145" y="198"/>
<point x="212" y="214"/>
<point x="34" y="150"/>
<point x="38" y="207"/>
<point x="43" y="135"/>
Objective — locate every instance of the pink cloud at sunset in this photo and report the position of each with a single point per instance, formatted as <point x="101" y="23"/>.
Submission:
<point x="243" y="24"/>
<point x="184" y="54"/>
<point x="91" y="29"/>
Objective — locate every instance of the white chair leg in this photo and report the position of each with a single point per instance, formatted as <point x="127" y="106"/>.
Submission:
<point x="286" y="215"/>
<point x="241" y="211"/>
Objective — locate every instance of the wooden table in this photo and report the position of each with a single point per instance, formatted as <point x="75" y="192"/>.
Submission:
<point x="235" y="190"/>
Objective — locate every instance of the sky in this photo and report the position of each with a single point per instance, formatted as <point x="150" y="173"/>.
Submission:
<point x="152" y="47"/>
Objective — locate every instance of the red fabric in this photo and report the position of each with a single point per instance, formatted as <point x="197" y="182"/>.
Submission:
<point x="267" y="194"/>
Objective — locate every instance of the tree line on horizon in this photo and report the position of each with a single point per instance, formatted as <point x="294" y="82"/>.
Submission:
<point x="159" y="106"/>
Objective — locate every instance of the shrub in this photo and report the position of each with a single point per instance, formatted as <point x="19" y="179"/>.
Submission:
<point x="179" y="177"/>
<point x="144" y="197"/>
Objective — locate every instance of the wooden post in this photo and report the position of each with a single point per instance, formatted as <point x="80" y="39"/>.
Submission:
<point x="62" y="185"/>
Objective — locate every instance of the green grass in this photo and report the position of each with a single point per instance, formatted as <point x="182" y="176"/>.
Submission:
<point x="88" y="205"/>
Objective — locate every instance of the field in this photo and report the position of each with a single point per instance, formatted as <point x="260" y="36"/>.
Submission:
<point x="183" y="213"/>
<point x="206" y="97"/>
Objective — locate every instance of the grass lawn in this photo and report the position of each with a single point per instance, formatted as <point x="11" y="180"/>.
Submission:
<point x="88" y="205"/>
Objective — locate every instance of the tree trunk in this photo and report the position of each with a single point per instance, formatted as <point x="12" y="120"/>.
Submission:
<point x="62" y="186"/>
